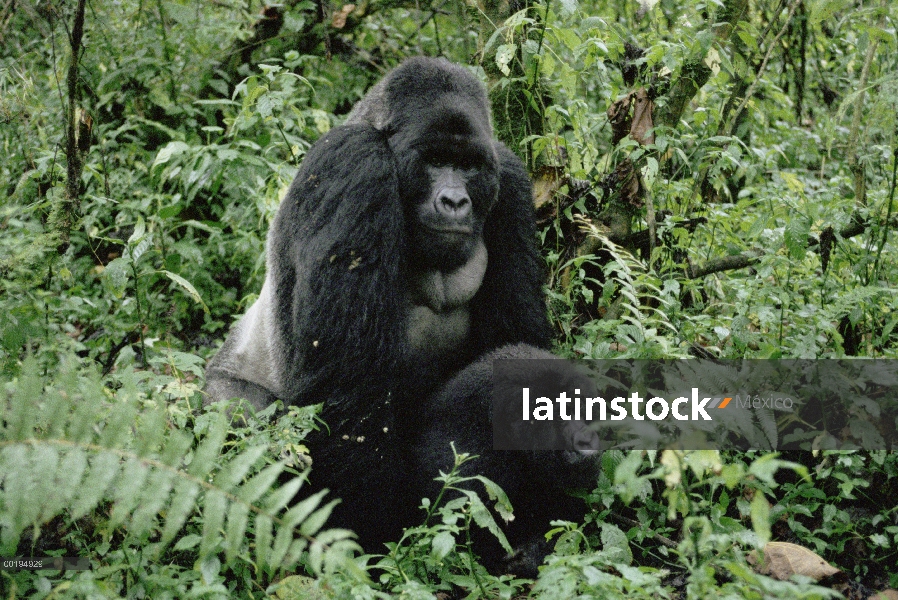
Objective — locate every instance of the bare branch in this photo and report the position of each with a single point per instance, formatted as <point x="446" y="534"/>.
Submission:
<point x="68" y="207"/>
<point x="725" y="263"/>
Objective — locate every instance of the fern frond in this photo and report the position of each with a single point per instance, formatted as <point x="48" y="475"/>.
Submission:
<point x="637" y="289"/>
<point x="68" y="447"/>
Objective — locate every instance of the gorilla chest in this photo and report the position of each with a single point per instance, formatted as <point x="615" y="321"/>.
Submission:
<point x="433" y="334"/>
<point x="439" y="316"/>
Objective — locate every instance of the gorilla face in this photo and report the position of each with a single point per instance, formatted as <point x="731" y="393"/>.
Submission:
<point x="447" y="225"/>
<point x="454" y="183"/>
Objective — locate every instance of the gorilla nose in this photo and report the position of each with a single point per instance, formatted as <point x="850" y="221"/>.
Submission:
<point x="454" y="202"/>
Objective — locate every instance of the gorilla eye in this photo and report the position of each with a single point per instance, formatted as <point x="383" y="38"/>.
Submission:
<point x="439" y="162"/>
<point x="466" y="162"/>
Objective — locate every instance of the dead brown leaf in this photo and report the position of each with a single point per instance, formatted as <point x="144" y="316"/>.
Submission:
<point x="338" y="21"/>
<point x="782" y="560"/>
<point x="546" y="183"/>
<point x="642" y="129"/>
<point x="619" y="117"/>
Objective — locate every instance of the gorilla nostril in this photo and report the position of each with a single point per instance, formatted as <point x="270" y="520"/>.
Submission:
<point x="454" y="203"/>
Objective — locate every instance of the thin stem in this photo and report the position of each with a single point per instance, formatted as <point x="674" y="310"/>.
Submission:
<point x="885" y="226"/>
<point x="860" y="183"/>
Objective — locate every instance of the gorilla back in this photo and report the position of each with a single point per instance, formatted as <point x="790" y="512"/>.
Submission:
<point x="403" y="251"/>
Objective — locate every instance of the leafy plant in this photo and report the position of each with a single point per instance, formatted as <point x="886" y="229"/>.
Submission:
<point x="70" y="448"/>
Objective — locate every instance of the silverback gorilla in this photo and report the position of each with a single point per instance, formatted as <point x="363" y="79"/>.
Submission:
<point x="401" y="262"/>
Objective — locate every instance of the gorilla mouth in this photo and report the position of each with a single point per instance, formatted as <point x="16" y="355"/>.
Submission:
<point x="452" y="230"/>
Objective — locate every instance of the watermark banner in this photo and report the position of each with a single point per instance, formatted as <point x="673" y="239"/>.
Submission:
<point x="592" y="405"/>
<point x="44" y="563"/>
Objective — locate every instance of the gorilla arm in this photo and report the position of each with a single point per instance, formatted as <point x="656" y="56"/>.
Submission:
<point x="330" y="315"/>
<point x="244" y="366"/>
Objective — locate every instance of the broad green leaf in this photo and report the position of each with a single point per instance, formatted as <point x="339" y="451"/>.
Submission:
<point x="760" y="516"/>
<point x="504" y="55"/>
<point x="168" y="151"/>
<point x="442" y="544"/>
<point x="615" y="539"/>
<point x="115" y="276"/>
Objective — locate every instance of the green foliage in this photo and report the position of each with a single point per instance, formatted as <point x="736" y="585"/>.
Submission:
<point x="830" y="513"/>
<point x="765" y="182"/>
<point x="437" y="556"/>
<point x="639" y="318"/>
<point x="697" y="485"/>
<point x="70" y="448"/>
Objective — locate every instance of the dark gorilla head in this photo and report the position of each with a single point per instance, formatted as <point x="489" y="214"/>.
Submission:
<point x="436" y="117"/>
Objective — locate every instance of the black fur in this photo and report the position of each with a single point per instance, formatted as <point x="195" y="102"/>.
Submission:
<point x="332" y="324"/>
